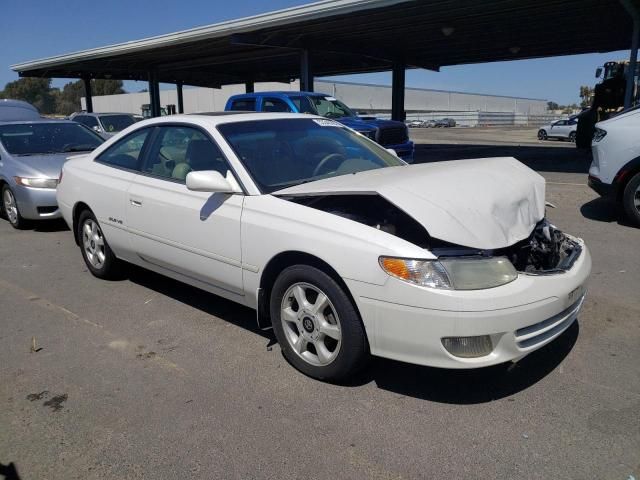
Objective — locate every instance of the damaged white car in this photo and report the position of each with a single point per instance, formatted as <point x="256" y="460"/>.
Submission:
<point x="339" y="245"/>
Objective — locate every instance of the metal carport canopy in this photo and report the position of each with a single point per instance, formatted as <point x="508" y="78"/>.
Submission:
<point x="354" y="36"/>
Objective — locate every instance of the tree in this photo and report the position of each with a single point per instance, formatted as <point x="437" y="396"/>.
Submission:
<point x="552" y="106"/>
<point x="36" y="91"/>
<point x="586" y="94"/>
<point x="68" y="101"/>
<point x="106" y="87"/>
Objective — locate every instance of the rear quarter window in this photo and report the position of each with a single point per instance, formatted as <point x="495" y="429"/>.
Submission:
<point x="245" y="104"/>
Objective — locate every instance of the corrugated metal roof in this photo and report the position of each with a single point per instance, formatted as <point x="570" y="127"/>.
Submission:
<point x="353" y="36"/>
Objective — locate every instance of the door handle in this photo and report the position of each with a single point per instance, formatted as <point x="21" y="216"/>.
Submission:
<point x="135" y="203"/>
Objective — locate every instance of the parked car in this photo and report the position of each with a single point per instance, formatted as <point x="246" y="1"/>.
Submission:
<point x="340" y="246"/>
<point x="561" y="129"/>
<point x="430" y="124"/>
<point x="13" y="110"/>
<point x="31" y="157"/>
<point x="105" y="124"/>
<point x="391" y="134"/>
<point x="416" y="124"/>
<point x="445" y="122"/>
<point x="615" y="169"/>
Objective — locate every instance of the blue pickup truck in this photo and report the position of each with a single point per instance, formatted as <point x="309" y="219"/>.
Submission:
<point x="388" y="133"/>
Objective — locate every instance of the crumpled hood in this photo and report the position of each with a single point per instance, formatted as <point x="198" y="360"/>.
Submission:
<point x="485" y="203"/>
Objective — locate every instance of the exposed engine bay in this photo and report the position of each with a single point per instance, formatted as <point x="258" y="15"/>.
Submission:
<point x="546" y="251"/>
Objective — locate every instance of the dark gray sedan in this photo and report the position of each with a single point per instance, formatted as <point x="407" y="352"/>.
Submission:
<point x="31" y="158"/>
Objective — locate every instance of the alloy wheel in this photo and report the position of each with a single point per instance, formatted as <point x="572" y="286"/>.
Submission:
<point x="311" y="324"/>
<point x="93" y="243"/>
<point x="10" y="206"/>
<point x="636" y="199"/>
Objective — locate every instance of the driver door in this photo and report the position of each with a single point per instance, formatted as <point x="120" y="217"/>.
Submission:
<point x="194" y="234"/>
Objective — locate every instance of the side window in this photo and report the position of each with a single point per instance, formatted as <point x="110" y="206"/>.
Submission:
<point x="274" y="105"/>
<point x="87" y="120"/>
<point x="126" y="152"/>
<point x="245" y="104"/>
<point x="178" y="150"/>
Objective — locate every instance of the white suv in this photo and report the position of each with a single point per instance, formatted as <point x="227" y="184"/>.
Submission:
<point x="615" y="170"/>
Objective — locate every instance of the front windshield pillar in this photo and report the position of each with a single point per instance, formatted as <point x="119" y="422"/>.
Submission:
<point x="306" y="77"/>
<point x="397" y="91"/>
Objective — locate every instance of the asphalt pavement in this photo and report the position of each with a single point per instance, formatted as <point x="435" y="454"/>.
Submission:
<point x="147" y="378"/>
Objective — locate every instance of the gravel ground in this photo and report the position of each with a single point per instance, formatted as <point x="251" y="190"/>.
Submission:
<point x="148" y="378"/>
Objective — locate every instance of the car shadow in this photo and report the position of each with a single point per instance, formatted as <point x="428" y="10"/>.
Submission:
<point x="433" y="384"/>
<point x="539" y="158"/>
<point x="206" y="302"/>
<point x="603" y="209"/>
<point x="469" y="386"/>
<point x="49" y="226"/>
<point x="9" y="472"/>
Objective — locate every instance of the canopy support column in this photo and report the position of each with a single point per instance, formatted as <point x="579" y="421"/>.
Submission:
<point x="306" y="77"/>
<point x="154" y="94"/>
<point x="88" y="97"/>
<point x="397" y="91"/>
<point x="634" y="11"/>
<point x="180" y="97"/>
<point x="249" y="86"/>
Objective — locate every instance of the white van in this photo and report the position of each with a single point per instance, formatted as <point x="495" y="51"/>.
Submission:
<point x="615" y="170"/>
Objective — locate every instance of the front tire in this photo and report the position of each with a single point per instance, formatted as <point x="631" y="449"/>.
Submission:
<point x="572" y="137"/>
<point x="316" y="324"/>
<point x="11" y="211"/>
<point x="542" y="135"/>
<point x="97" y="254"/>
<point x="631" y="200"/>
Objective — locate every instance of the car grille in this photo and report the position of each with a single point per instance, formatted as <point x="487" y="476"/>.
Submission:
<point x="392" y="136"/>
<point x="539" y="332"/>
<point x="45" y="210"/>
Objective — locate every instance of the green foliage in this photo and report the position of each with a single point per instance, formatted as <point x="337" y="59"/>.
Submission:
<point x="552" y="106"/>
<point x="586" y="94"/>
<point x="36" y="91"/>
<point x="39" y="93"/>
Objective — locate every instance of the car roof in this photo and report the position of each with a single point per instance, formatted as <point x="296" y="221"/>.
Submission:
<point x="40" y="120"/>
<point x="284" y="93"/>
<point x="17" y="110"/>
<point x="219" y="118"/>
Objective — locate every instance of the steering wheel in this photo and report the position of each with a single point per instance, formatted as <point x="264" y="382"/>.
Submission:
<point x="325" y="161"/>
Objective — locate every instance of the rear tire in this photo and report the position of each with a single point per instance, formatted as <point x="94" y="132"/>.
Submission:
<point x="317" y="325"/>
<point x="631" y="200"/>
<point x="97" y="254"/>
<point x="9" y="209"/>
<point x="542" y="135"/>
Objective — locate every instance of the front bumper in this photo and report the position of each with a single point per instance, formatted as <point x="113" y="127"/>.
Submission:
<point x="407" y="323"/>
<point x="36" y="203"/>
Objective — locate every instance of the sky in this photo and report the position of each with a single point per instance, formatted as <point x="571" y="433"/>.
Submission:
<point x="43" y="28"/>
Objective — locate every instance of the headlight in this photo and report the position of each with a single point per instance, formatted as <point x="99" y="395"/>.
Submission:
<point x="452" y="273"/>
<point x="37" y="182"/>
<point x="599" y="134"/>
<point x="369" y="134"/>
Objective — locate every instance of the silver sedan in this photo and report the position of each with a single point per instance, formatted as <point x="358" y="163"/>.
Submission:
<point x="31" y="158"/>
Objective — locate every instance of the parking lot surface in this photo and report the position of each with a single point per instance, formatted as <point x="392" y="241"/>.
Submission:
<point x="148" y="378"/>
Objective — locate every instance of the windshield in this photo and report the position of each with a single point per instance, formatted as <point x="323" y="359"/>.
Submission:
<point x="43" y="138"/>
<point x="116" y="123"/>
<point x="328" y="107"/>
<point x="287" y="152"/>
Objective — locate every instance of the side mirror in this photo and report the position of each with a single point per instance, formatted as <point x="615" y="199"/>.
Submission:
<point x="96" y="128"/>
<point x="210" y="181"/>
<point x="598" y="72"/>
<point x="392" y="151"/>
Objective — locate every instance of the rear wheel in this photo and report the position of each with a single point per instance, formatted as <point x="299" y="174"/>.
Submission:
<point x="542" y="135"/>
<point x="10" y="209"/>
<point x="95" y="249"/>
<point x="631" y="199"/>
<point x="316" y="324"/>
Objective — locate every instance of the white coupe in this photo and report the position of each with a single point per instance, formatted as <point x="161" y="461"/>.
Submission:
<point x="339" y="245"/>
